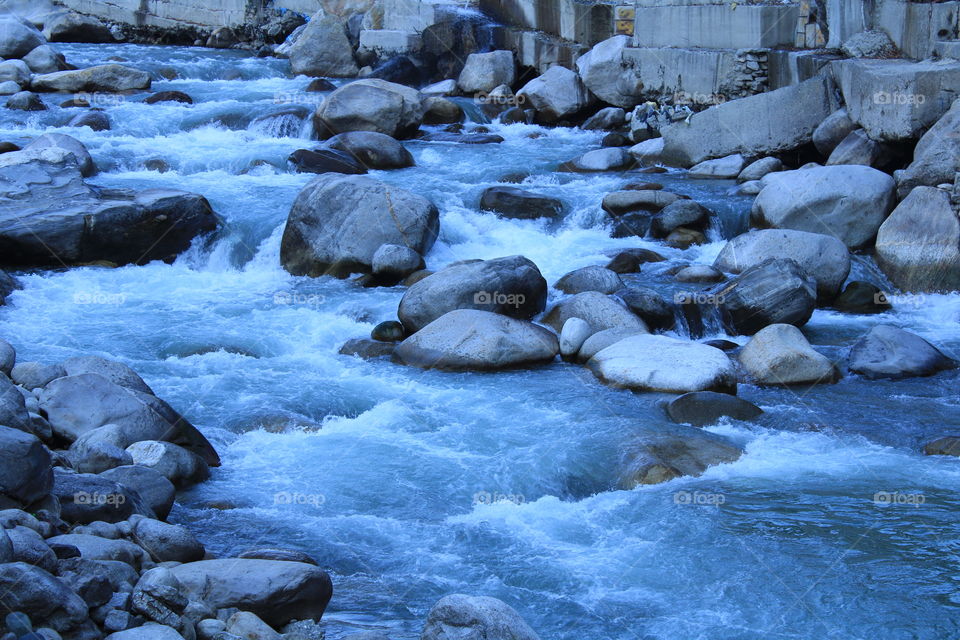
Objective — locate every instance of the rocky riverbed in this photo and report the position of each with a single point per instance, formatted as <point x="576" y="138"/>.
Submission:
<point x="497" y="356"/>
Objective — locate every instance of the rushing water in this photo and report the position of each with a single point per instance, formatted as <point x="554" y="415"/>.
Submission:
<point x="408" y="485"/>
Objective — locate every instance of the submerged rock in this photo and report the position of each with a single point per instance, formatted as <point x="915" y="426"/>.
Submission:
<point x="372" y="150"/>
<point x="105" y="77"/>
<point x="511" y="202"/>
<point x="661" y="457"/>
<point x="947" y="446"/>
<point x="700" y="408"/>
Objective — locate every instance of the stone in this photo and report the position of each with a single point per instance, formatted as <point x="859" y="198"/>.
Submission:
<point x="935" y="157"/>
<point x="512" y="286"/>
<point x="511" y="202"/>
<point x="26" y="474"/>
<point x="483" y="72"/>
<point x="650" y="306"/>
<point x="861" y="297"/>
<point x="325" y="161"/>
<point x="473" y="340"/>
<point x="446" y="87"/>
<point x="856" y="148"/>
<point x="779" y="354"/>
<point x="392" y="263"/>
<point x="605" y="120"/>
<point x="947" y="446"/>
<point x="596" y="309"/>
<point x="918" y="246"/>
<point x="86" y="498"/>
<point x="556" y="95"/>
<point x="367" y="349"/>
<point x="726" y="168"/>
<point x="847" y="202"/>
<point x="96" y="548"/>
<point x="460" y="616"/>
<point x="181" y="467"/>
<point x="29" y="547"/>
<point x="285" y="555"/>
<point x="156" y="491"/>
<point x="600" y="340"/>
<point x="337" y="224"/>
<point x="649" y="152"/>
<point x="832" y="131"/>
<point x="73" y="27"/>
<point x="698" y="273"/>
<point x="8" y="359"/>
<point x="462" y="138"/>
<point x="663" y="456"/>
<point x="15" y="71"/>
<point x="750" y="188"/>
<point x="370" y="105"/>
<point x="25" y="101"/>
<point x="702" y="408"/>
<point x="18" y="37"/>
<point x="114" y="371"/>
<point x="892" y="353"/>
<point x="323" y="49"/>
<point x="168" y="96"/>
<point x="608" y="159"/>
<point x="111" y="78"/>
<point x="823" y="257"/>
<point x="166" y="542"/>
<point x="148" y="631"/>
<point x="276" y="591"/>
<point x="248" y="626"/>
<point x="222" y="38"/>
<point x="631" y="260"/>
<point x="776" y="291"/>
<point x="45" y="59"/>
<point x="589" y="279"/>
<point x="90" y="454"/>
<point x="438" y="110"/>
<point x="607" y="74"/>
<point x="96" y="120"/>
<point x="9" y="88"/>
<point x="13" y="406"/>
<point x="68" y="144"/>
<point x="34" y="375"/>
<point x="684" y="238"/>
<point x="574" y="333"/>
<point x="389" y="331"/>
<point x="41" y="596"/>
<point x="660" y="363"/>
<point x="869" y="44"/>
<point x="759" y="168"/>
<point x="621" y="202"/>
<point x="763" y="124"/>
<point x="678" y="214"/>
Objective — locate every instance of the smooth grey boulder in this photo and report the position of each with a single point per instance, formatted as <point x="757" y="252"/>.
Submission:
<point x="93" y="547"/>
<point x="600" y="340"/>
<point x="74" y="27"/>
<point x="701" y="408"/>
<point x="607" y="74"/>
<point x="592" y="278"/>
<point x="557" y="94"/>
<point x="45" y="59"/>
<point x="370" y="105"/>
<point x="96" y="120"/>
<point x="511" y="202"/>
<point x="888" y="352"/>
<point x="725" y="168"/>
<point x="437" y="110"/>
<point x="574" y="333"/>
<point x="512" y="286"/>
<point x="680" y="213"/>
<point x="68" y="144"/>
<point x="857" y="148"/>
<point x="149" y="631"/>
<point x="660" y="363"/>
<point x="936" y="158"/>
<point x="113" y="78"/>
<point x="759" y="168"/>
<point x="780" y="354"/>
<point x="276" y="591"/>
<point x="337" y="224"/>
<point x="832" y="131"/>
<point x="181" y="467"/>
<point x="46" y="599"/>
<point x="607" y="119"/>
<point x="393" y="262"/>
<point x="287" y="555"/>
<point x="848" y="202"/>
<point x="484" y="72"/>
<point x="246" y="625"/>
<point x="13" y="407"/>
<point x="608" y="159"/>
<point x="618" y="203"/>
<point x="463" y="617"/>
<point x="30" y="547"/>
<point x="684" y="451"/>
<point x="598" y="310"/>
<point x="34" y="375"/>
<point x="91" y="453"/>
<point x="154" y="489"/>
<point x="8" y="358"/>
<point x="86" y="498"/>
<point x="15" y="71"/>
<point x="918" y="246"/>
<point x="776" y="291"/>
<point x="25" y="101"/>
<point x="373" y="150"/>
<point x="114" y="371"/>
<point x="323" y="49"/>
<point x="473" y="340"/>
<point x="166" y="542"/>
<point x="823" y="257"/>
<point x="26" y="473"/>
<point x="18" y="37"/>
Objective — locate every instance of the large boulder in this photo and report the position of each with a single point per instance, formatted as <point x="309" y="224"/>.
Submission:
<point x="323" y="49"/>
<point x="86" y="498"/>
<point x="936" y="158"/>
<point x="75" y="405"/>
<point x="166" y="542"/>
<point x="660" y="363"/>
<point x="60" y="142"/>
<point x="596" y="309"/>
<point x="181" y="467"/>
<point x="559" y="93"/>
<point x="776" y="291"/>
<point x="593" y="278"/>
<point x="511" y="286"/>
<point x="857" y="148"/>
<point x="46" y="599"/>
<point x="607" y="74"/>
<point x="26" y="474"/>
<point x="155" y="490"/>
<point x="338" y="222"/>
<point x="821" y="256"/>
<point x="918" y="246"/>
<point x="73" y="27"/>
<point x="511" y="202"/>
<point x="114" y="371"/>
<point x="608" y="159"/>
<point x="463" y="617"/>
<point x="780" y="355"/>
<point x="45" y="59"/>
<point x="832" y="131"/>
<point x="105" y="77"/>
<point x="764" y="124"/>
<point x="682" y="451"/>
<point x="701" y="408"/>
<point x="889" y="352"/>
<point x="372" y="150"/>
<point x="276" y="591"/>
<point x="18" y="37"/>
<point x="484" y="72"/>
<point x="722" y="168"/>
<point x="846" y="202"/>
<point x="370" y="105"/>
<point x="472" y="340"/>
<point x="148" y="631"/>
<point x="13" y="407"/>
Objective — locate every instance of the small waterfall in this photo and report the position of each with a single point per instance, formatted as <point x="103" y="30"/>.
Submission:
<point x="289" y="123"/>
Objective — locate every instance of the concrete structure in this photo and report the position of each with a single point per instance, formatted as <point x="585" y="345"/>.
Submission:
<point x="168" y="13"/>
<point x="716" y="26"/>
<point x="584" y="22"/>
<point x="916" y="28"/>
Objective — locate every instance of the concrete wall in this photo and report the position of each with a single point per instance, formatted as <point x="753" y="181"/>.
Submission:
<point x="165" y="13"/>
<point x="574" y="20"/>
<point x="724" y="26"/>
<point x="914" y="27"/>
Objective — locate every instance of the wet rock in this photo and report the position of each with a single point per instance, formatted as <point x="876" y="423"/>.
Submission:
<point x="168" y="96"/>
<point x="25" y="467"/>
<point x="511" y="202"/>
<point x="698" y="273"/>
<point x="773" y="292"/>
<point x="96" y="120"/>
<point x="598" y="310"/>
<point x="460" y="616"/>
<point x="337" y="224"/>
<point x="857" y="148"/>
<point x="389" y="331"/>
<point x="462" y="138"/>
<point x="323" y="49"/>
<point x="861" y="297"/>
<point x="556" y="95"/>
<point x="679" y="213"/>
<point x="483" y="72"/>
<point x="832" y="131"/>
<point x="166" y="542"/>
<point x="105" y="77"/>
<point x="370" y="105"/>
<point x="758" y="169"/>
<point x="605" y="120"/>
<point x="701" y="408"/>
<point x="589" y="279"/>
<point x="154" y="489"/>
<point x="68" y="145"/>
<point x="325" y="161"/>
<point x="372" y="150"/>
<point x="25" y="101"/>
<point x="181" y="467"/>
<point x="47" y="600"/>
<point x="780" y="355"/>
<point x="665" y="456"/>
<point x="947" y="446"/>
<point x="73" y="27"/>
<point x="438" y="110"/>
<point x="45" y="59"/>
<point x="629" y="261"/>
<point x="684" y="238"/>
<point x="367" y="349"/>
<point x="722" y="168"/>
<point x="888" y="352"/>
<point x="86" y="498"/>
<point x="609" y="159"/>
<point x="650" y="306"/>
<point x="607" y="75"/>
<point x="392" y="263"/>
<point x="18" y="37"/>
<point x="619" y="203"/>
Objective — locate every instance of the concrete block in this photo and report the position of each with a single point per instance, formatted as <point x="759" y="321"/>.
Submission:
<point x="723" y="26"/>
<point x="390" y="42"/>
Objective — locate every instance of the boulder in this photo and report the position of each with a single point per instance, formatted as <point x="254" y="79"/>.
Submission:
<point x="29" y="546"/>
<point x="86" y="498"/>
<point x="857" y="148"/>
<point x="701" y="408"/>
<point x="26" y="474"/>
<point x="649" y="152"/>
<point x="596" y="309"/>
<point x="652" y="307"/>
<point x="511" y="202"/>
<point x="114" y="371"/>
<point x="73" y="27"/>
<point x="589" y="279"/>
<point x="69" y="145"/>
<point x="846" y="202"/>
<point x="168" y="96"/>
<point x="462" y="617"/>
<point x="46" y="599"/>
<point x="166" y="542"/>
<point x="323" y="49"/>
<point x="8" y="360"/>
<point x="607" y="74"/>
<point x="726" y="168"/>
<point x="93" y="547"/>
<point x="832" y="131"/>
<point x="823" y="257"/>
<point x="574" y="333"/>
<point x="393" y="262"/>
<point x="25" y="101"/>
<point x="936" y="158"/>
<point x="678" y="214"/>
<point x="111" y="78"/>
<point x="606" y="120"/>
<point x="15" y="71"/>
<point x="462" y="138"/>
<point x="780" y="355"/>
<point x="888" y="352"/>
<point x="947" y="446"/>
<point x="367" y="349"/>
<point x="484" y="72"/>
<point x="763" y="124"/>
<point x="246" y="625"/>
<point x="45" y="59"/>
<point x="600" y="340"/>
<point x="155" y="490"/>
<point x="148" y="631"/>
<point x="869" y="44"/>
<point x="918" y="246"/>
<point x="370" y="105"/>
<point x="512" y="286"/>
<point x="698" y="273"/>
<point x="556" y="95"/>
<point x="776" y="291"/>
<point x="181" y="467"/>
<point x="472" y="340"/>
<point x="618" y="203"/>
<point x="325" y="161"/>
<point x="663" y="456"/>
<point x="607" y="159"/>
<point x="96" y="120"/>
<point x="438" y="110"/>
<point x="861" y="297"/>
<point x="338" y="222"/>
<point x="13" y="407"/>
<point x="18" y="37"/>
<point x="759" y="168"/>
<point x="659" y="363"/>
<point x="276" y="591"/>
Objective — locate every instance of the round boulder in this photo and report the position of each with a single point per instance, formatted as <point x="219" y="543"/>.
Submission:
<point x="780" y="355"/>
<point x="888" y="352"/>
